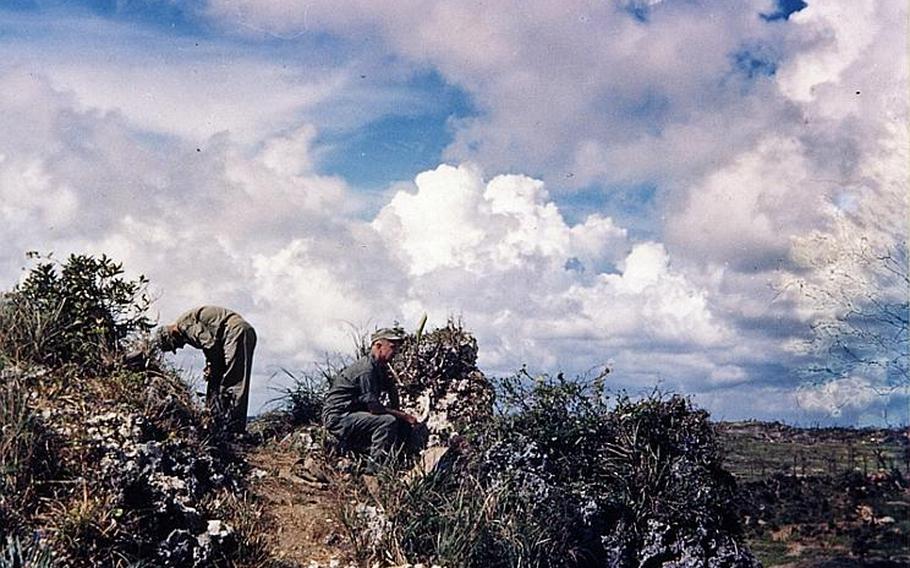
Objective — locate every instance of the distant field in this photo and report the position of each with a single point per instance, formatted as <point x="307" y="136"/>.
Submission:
<point x="831" y="497"/>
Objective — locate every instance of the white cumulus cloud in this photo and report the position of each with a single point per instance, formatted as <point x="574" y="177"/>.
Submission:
<point x="456" y="220"/>
<point x="198" y="163"/>
<point x="501" y="254"/>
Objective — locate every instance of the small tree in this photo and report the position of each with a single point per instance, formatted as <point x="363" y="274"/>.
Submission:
<point x="78" y="311"/>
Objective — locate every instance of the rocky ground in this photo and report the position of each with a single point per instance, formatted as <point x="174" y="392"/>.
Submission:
<point x="823" y="518"/>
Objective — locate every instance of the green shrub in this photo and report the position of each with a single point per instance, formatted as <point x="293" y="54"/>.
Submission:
<point x="76" y="312"/>
<point x="564" y="475"/>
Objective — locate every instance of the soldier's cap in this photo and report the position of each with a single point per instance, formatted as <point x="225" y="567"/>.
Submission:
<point x="387" y="333"/>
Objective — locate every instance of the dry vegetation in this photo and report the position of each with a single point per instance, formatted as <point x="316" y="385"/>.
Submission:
<point x="822" y="497"/>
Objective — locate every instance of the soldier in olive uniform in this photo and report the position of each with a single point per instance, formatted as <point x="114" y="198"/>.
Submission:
<point x="353" y="411"/>
<point x="227" y="341"/>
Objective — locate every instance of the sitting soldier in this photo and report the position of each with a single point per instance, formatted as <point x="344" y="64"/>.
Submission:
<point x="353" y="411"/>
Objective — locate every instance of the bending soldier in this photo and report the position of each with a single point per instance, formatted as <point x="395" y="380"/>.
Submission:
<point x="227" y="341"/>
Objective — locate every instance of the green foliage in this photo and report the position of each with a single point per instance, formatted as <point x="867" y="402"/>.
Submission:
<point x="76" y="312"/>
<point x="592" y="476"/>
<point x="82" y="527"/>
<point x="565" y="476"/>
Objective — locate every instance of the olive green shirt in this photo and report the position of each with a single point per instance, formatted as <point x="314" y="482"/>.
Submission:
<point x="204" y="327"/>
<point x="357" y="386"/>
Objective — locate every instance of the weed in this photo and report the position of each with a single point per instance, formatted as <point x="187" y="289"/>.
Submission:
<point x="25" y="453"/>
<point x="300" y="403"/>
<point x="83" y="527"/>
<point x="244" y="534"/>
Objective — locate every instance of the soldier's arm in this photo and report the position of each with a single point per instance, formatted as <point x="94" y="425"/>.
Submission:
<point x="370" y="383"/>
<point x="402" y="416"/>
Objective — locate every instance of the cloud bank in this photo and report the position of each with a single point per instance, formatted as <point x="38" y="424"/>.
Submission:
<point x="635" y="186"/>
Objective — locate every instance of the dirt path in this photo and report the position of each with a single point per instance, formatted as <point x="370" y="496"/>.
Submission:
<point x="302" y="515"/>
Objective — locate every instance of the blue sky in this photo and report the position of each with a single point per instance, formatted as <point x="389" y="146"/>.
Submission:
<point x="406" y="140"/>
<point x="640" y="184"/>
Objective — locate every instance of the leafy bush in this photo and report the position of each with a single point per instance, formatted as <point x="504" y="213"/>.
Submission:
<point x="563" y="475"/>
<point x="77" y="312"/>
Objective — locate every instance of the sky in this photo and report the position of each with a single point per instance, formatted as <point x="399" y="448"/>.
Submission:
<point x="659" y="187"/>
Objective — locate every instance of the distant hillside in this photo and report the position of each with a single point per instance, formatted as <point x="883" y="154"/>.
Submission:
<point x="818" y="497"/>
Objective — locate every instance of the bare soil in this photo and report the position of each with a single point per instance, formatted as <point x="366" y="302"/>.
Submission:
<point x="305" y="529"/>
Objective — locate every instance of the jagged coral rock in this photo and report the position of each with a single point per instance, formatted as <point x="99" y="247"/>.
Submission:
<point x="137" y="457"/>
<point x="439" y="382"/>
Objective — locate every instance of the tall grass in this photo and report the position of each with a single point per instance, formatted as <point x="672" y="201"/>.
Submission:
<point x="25" y="454"/>
<point x="19" y="553"/>
<point x="300" y="401"/>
